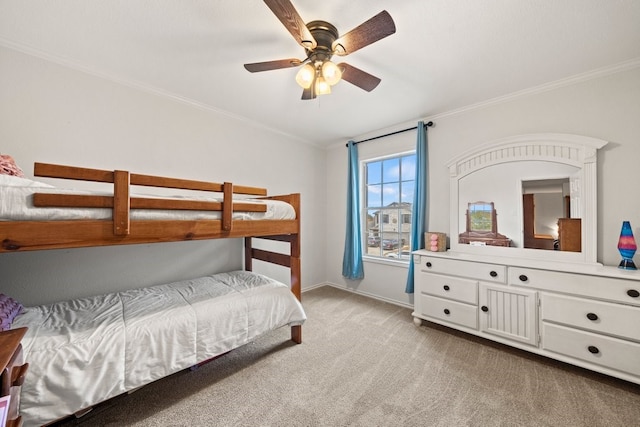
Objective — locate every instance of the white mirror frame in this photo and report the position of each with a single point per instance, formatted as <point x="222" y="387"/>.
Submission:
<point x="573" y="150"/>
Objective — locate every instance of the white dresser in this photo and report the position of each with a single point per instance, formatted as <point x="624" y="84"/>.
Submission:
<point x="586" y="315"/>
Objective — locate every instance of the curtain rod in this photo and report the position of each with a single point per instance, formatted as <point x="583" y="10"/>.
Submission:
<point x="428" y="124"/>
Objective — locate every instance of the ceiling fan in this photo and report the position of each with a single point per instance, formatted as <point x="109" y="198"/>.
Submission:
<point x="321" y="41"/>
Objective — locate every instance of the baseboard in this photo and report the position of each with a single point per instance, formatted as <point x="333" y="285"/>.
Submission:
<point x="316" y="286"/>
<point x="364" y="294"/>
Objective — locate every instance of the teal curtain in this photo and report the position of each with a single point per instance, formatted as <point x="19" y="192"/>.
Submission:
<point x="352" y="267"/>
<point x="419" y="213"/>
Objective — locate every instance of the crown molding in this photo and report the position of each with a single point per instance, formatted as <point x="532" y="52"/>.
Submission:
<point x="77" y="66"/>
<point x="569" y="81"/>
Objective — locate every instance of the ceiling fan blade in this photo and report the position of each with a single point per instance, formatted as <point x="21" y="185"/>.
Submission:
<point x="376" y="28"/>
<point x="288" y="15"/>
<point x="272" y="65"/>
<point x="308" y="93"/>
<point x="358" y="77"/>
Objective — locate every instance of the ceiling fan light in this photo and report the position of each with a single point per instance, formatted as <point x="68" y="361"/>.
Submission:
<point x="331" y="73"/>
<point x="322" y="87"/>
<point x="305" y="76"/>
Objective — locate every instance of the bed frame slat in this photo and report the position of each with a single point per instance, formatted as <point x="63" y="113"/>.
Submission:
<point x="47" y="170"/>
<point x="271" y="257"/>
<point x="49" y="200"/>
<point x="40" y="235"/>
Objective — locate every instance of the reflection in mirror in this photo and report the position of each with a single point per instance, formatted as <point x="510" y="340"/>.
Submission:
<point x="482" y="226"/>
<point x="480" y="215"/>
<point x="544" y="203"/>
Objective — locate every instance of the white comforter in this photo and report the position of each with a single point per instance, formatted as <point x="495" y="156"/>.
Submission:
<point x="85" y="351"/>
<point x="16" y="204"/>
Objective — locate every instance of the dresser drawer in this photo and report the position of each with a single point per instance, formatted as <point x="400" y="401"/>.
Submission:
<point x="450" y="311"/>
<point x="609" y="288"/>
<point x="613" y="319"/>
<point x="598" y="349"/>
<point x="475" y="270"/>
<point x="455" y="288"/>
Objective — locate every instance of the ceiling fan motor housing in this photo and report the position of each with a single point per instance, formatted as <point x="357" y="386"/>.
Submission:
<point x="325" y="34"/>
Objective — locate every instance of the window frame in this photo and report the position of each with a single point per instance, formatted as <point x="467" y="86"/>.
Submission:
<point x="399" y="220"/>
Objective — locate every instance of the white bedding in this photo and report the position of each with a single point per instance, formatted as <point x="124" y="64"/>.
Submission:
<point x="84" y="351"/>
<point x="16" y="204"/>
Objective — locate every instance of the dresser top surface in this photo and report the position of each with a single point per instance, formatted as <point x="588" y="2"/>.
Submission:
<point x="578" y="268"/>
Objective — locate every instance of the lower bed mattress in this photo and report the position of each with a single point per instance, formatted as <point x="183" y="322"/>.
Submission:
<point x="84" y="351"/>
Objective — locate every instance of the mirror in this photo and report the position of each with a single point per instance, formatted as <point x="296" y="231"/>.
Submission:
<point x="544" y="188"/>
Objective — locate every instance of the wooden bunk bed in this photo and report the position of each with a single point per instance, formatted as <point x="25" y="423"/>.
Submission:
<point x="123" y="226"/>
<point x="121" y="229"/>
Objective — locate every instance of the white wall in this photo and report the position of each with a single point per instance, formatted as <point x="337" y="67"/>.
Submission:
<point x="605" y="107"/>
<point x="384" y="279"/>
<point x="54" y="114"/>
<point x="51" y="113"/>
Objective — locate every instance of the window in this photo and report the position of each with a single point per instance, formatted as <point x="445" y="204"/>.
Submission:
<point x="388" y="185"/>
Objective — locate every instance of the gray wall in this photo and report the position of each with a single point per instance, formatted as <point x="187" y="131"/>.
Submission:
<point x="51" y="113"/>
<point x="55" y="114"/>
<point x="605" y="107"/>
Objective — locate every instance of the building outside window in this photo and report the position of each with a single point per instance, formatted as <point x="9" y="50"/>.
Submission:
<point x="388" y="184"/>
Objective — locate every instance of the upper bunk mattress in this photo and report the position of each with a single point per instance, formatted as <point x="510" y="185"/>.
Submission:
<point x="16" y="204"/>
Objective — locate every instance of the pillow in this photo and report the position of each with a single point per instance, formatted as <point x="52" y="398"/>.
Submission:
<point x="9" y="309"/>
<point x="8" y="166"/>
<point x="16" y="181"/>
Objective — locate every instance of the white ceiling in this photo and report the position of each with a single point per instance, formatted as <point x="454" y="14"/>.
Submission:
<point x="445" y="54"/>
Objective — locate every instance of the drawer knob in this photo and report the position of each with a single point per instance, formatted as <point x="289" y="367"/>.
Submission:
<point x="493" y="273"/>
<point x="593" y="349"/>
<point x="592" y="316"/>
<point x="446" y="311"/>
<point x="446" y="287"/>
<point x="633" y="293"/>
<point x="484" y="308"/>
<point x="523" y="278"/>
<point x="428" y="264"/>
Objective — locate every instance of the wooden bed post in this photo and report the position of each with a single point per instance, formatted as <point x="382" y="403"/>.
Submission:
<point x="296" y="331"/>
<point x="248" y="255"/>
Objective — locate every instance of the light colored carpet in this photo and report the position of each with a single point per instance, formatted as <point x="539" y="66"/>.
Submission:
<point x="363" y="363"/>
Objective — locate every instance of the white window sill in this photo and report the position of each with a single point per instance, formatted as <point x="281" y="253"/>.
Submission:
<point x="402" y="263"/>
